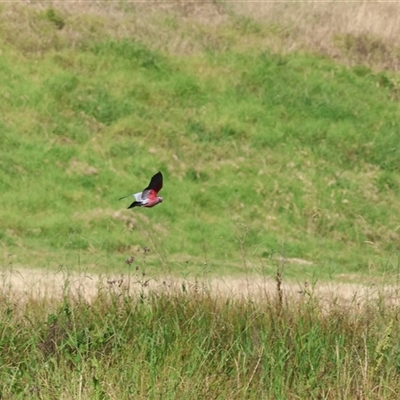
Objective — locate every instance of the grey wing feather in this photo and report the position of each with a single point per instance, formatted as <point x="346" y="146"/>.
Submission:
<point x="138" y="196"/>
<point x="145" y="194"/>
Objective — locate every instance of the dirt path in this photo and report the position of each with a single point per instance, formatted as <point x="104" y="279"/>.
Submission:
<point x="26" y="283"/>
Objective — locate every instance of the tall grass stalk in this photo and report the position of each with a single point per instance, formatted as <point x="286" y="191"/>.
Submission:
<point x="168" y="343"/>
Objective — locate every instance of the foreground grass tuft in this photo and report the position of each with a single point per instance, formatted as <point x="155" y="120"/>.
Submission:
<point x="191" y="343"/>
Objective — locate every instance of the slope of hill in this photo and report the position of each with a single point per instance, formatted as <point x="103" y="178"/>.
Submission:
<point x="266" y="154"/>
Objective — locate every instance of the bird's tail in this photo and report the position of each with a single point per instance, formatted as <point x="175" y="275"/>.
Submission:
<point x="124" y="197"/>
<point x="135" y="204"/>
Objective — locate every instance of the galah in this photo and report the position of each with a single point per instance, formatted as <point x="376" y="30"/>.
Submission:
<point x="149" y="197"/>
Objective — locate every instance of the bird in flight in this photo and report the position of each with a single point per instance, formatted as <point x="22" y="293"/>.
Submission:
<point x="149" y="197"/>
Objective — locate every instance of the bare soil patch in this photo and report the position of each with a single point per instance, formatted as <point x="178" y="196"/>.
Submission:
<point x="24" y="283"/>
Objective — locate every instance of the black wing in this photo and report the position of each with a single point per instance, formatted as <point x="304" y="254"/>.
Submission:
<point x="155" y="184"/>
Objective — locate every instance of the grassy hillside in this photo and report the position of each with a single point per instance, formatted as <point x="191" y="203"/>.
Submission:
<point x="265" y="153"/>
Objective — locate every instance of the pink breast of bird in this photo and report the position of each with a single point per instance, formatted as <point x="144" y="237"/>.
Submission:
<point x="153" y="199"/>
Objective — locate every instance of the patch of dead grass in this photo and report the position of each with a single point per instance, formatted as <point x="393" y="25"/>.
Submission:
<point x="161" y="25"/>
<point x="25" y="283"/>
<point x="355" y="33"/>
<point x="352" y="32"/>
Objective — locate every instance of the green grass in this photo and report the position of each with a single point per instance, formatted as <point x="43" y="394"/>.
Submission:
<point x="188" y="343"/>
<point x="262" y="153"/>
<point x="277" y="163"/>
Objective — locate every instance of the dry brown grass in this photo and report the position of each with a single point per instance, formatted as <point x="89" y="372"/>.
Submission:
<point x="22" y="284"/>
<point x="353" y="33"/>
<point x="161" y="25"/>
